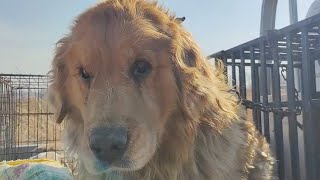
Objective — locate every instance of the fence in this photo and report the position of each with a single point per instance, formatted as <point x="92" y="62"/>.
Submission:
<point x="278" y="76"/>
<point x="27" y="128"/>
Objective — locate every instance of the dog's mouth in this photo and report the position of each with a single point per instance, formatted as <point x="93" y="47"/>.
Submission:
<point x="120" y="165"/>
<point x="97" y="167"/>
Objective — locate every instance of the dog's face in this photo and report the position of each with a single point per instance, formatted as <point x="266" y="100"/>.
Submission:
<point x="129" y="79"/>
<point x="116" y="84"/>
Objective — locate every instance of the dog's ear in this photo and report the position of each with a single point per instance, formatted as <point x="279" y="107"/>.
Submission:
<point x="63" y="113"/>
<point x="58" y="104"/>
<point x="57" y="89"/>
<point x="58" y="100"/>
<point x="204" y="94"/>
<point x="185" y="62"/>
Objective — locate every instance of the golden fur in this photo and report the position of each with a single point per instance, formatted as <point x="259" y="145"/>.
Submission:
<point x="185" y="122"/>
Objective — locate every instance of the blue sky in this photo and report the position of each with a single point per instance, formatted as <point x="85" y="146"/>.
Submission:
<point x="30" y="29"/>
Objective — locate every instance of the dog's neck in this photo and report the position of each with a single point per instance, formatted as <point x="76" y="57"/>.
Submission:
<point x="177" y="160"/>
<point x="199" y="158"/>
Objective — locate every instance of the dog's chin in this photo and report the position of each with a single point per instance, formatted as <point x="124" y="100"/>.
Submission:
<point x="92" y="166"/>
<point x="96" y="167"/>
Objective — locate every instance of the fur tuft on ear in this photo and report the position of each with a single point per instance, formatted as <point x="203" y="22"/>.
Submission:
<point x="62" y="114"/>
<point x="56" y="104"/>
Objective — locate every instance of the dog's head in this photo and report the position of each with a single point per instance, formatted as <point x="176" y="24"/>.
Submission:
<point x="126" y="77"/>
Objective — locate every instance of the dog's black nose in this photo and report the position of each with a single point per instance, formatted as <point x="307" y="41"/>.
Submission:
<point x="109" y="143"/>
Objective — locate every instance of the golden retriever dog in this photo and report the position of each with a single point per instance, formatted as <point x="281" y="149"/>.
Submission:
<point x="141" y="101"/>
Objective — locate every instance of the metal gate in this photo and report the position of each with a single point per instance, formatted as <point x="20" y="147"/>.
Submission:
<point x="278" y="76"/>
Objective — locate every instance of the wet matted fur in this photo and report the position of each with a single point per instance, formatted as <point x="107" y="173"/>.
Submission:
<point x="183" y="119"/>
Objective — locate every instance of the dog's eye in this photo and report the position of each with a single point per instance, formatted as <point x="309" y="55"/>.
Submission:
<point x="84" y="74"/>
<point x="140" y="69"/>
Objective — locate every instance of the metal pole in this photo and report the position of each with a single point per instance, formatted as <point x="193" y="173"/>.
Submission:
<point x="268" y="21"/>
<point x="292" y="118"/>
<point x="309" y="114"/>
<point x="268" y="16"/>
<point x="293" y="10"/>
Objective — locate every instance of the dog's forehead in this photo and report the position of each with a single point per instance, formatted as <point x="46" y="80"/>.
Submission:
<point x="115" y="28"/>
<point x="114" y="37"/>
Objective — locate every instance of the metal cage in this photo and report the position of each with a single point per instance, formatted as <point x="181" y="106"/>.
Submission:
<point x="278" y="76"/>
<point x="27" y="127"/>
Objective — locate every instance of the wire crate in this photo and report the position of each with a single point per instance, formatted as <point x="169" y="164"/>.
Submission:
<point x="27" y="127"/>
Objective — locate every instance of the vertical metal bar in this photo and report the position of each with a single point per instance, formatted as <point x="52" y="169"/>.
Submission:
<point x="292" y="118"/>
<point x="35" y="117"/>
<point x="11" y="108"/>
<point x="224" y="60"/>
<point x="268" y="16"/>
<point x="316" y="112"/>
<point x="1" y="116"/>
<point x="313" y="78"/>
<point x="242" y="70"/>
<point x="5" y="122"/>
<point x="20" y="116"/>
<point x="8" y="122"/>
<point x="39" y="110"/>
<point x="15" y="124"/>
<point x="28" y="114"/>
<point x="10" y="129"/>
<point x="264" y="90"/>
<point x="308" y="121"/>
<point x="293" y="10"/>
<point x="233" y="66"/>
<point x="47" y="131"/>
<point x="276" y="96"/>
<point x="254" y="89"/>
